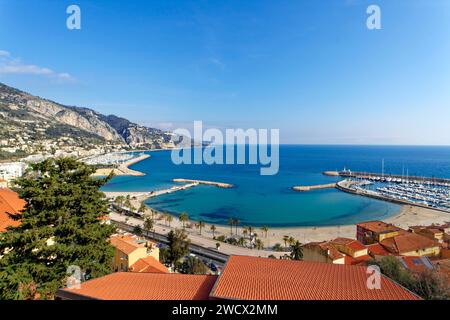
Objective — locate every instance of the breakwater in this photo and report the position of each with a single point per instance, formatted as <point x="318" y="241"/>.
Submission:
<point x="314" y="187"/>
<point x="210" y="183"/>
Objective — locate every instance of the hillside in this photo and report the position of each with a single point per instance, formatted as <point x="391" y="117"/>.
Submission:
<point x="30" y="124"/>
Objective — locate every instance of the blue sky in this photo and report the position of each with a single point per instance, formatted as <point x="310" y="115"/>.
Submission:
<point x="310" y="68"/>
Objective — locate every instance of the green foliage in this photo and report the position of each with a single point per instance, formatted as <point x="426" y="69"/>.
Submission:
<point x="427" y="284"/>
<point x="297" y="250"/>
<point x="178" y="246"/>
<point x="64" y="204"/>
<point x="193" y="265"/>
<point x="277" y="247"/>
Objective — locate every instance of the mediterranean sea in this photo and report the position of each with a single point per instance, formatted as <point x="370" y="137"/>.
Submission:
<point x="269" y="200"/>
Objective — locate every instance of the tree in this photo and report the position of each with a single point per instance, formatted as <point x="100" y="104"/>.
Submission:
<point x="277" y="247"/>
<point x="178" y="246"/>
<point x="259" y="244"/>
<point x="142" y="207"/>
<point x="291" y="241"/>
<point x="169" y="219"/>
<point x="217" y="246"/>
<point x="265" y="229"/>
<point x="119" y="200"/>
<point x="213" y="229"/>
<point x="431" y="285"/>
<point x="193" y="265"/>
<point x="285" y="239"/>
<point x="63" y="204"/>
<point x="241" y="241"/>
<point x="200" y="225"/>
<point x="231" y="223"/>
<point x="137" y="230"/>
<point x="297" y="250"/>
<point x="149" y="225"/>
<point x="245" y="231"/>
<point x="183" y="218"/>
<point x="236" y="223"/>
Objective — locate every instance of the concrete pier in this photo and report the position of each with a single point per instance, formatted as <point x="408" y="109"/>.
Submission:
<point x="210" y="183"/>
<point x="315" y="187"/>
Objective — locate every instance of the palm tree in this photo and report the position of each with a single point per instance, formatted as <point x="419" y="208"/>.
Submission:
<point x="148" y="225"/>
<point x="241" y="241"/>
<point x="142" y="207"/>
<point x="183" y="218"/>
<point x="213" y="229"/>
<point x="169" y="219"/>
<point x="297" y="251"/>
<point x="259" y="244"/>
<point x="285" y="239"/>
<point x="265" y="229"/>
<point x="231" y="222"/>
<point x="236" y="223"/>
<point x="119" y="200"/>
<point x="291" y="241"/>
<point x="200" y="225"/>
<point x="245" y="231"/>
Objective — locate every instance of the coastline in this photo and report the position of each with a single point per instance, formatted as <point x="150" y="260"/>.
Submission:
<point x="122" y="169"/>
<point x="407" y="216"/>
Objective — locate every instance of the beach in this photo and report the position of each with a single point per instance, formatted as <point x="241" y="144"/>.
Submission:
<point x="407" y="216"/>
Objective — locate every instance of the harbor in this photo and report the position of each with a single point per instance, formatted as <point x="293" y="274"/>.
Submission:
<point x="209" y="183"/>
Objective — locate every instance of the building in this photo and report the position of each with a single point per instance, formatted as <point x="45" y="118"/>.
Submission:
<point x="129" y="249"/>
<point x="3" y="183"/>
<point x="375" y="231"/>
<point x="245" y="278"/>
<point x="416" y="264"/>
<point x="10" y="203"/>
<point x="437" y="233"/>
<point x="143" y="286"/>
<point x="12" y="170"/>
<point x="337" y="251"/>
<point x="411" y="244"/>
<point x="148" y="264"/>
<point x="377" y="251"/>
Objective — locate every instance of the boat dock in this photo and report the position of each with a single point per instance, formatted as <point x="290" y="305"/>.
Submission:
<point x="210" y="183"/>
<point x="315" y="187"/>
<point x="394" y="178"/>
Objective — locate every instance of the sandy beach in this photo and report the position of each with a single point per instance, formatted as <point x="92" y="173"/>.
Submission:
<point x="122" y="169"/>
<point x="408" y="216"/>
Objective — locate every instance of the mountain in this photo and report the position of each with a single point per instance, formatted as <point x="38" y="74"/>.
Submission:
<point x="30" y="124"/>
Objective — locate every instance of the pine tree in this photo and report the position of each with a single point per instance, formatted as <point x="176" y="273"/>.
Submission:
<point x="60" y="227"/>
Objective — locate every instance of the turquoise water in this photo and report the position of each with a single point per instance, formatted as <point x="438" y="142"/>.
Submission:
<point x="268" y="200"/>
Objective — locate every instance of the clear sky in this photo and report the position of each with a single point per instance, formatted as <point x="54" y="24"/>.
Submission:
<point x="310" y="68"/>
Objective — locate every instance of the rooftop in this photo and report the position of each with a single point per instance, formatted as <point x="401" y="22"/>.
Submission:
<point x="251" y="278"/>
<point x="378" y="226"/>
<point x="126" y="243"/>
<point x="407" y="242"/>
<point x="143" y="286"/>
<point x="12" y="204"/>
<point x="148" y="264"/>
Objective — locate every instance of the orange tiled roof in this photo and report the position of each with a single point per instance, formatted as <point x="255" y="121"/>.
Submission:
<point x="148" y="264"/>
<point x="251" y="278"/>
<point x="126" y="244"/>
<point x="417" y="264"/>
<point x="378" y="226"/>
<point x="351" y="243"/>
<point x="9" y="203"/>
<point x="143" y="286"/>
<point x="407" y="242"/>
<point x="378" y="250"/>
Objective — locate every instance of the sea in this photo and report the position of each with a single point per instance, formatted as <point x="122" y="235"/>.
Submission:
<point x="258" y="200"/>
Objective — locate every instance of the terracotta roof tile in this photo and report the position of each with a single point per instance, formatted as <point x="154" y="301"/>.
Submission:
<point x="378" y="226"/>
<point x="126" y="244"/>
<point x="148" y="264"/>
<point x="143" y="286"/>
<point x="378" y="250"/>
<point x="251" y="278"/>
<point x="407" y="242"/>
<point x="9" y="203"/>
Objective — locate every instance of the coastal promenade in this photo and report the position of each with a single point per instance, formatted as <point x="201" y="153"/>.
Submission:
<point x="197" y="239"/>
